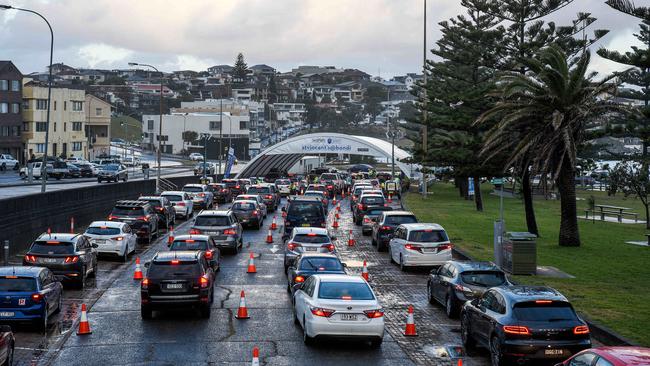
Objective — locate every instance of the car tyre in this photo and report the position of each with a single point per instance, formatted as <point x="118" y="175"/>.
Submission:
<point x="496" y="357"/>
<point x="82" y="281"/>
<point x="42" y="323"/>
<point x="309" y="341"/>
<point x="125" y="255"/>
<point x="465" y="335"/>
<point x="432" y="300"/>
<point x="146" y="312"/>
<point x="390" y="255"/>
<point x="59" y="305"/>
<point x="402" y="267"/>
<point x="451" y="306"/>
<point x="373" y="242"/>
<point x="205" y="311"/>
<point x="376" y="343"/>
<point x="381" y="247"/>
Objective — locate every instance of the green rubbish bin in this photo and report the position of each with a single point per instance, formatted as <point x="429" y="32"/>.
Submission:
<point x="520" y="253"/>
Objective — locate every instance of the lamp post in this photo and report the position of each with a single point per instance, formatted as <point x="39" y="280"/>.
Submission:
<point x="424" y="97"/>
<point x="125" y="124"/>
<point x="49" y="92"/>
<point x="160" y="122"/>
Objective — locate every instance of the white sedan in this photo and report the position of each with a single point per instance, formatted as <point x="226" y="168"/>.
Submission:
<point x="112" y="238"/>
<point x="196" y="157"/>
<point x="420" y="245"/>
<point x="182" y="202"/>
<point x="337" y="305"/>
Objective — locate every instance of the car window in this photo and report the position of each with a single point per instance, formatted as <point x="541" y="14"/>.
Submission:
<point x="174" y="197"/>
<point x="489" y="301"/>
<point x="189" y="244"/>
<point x="311" y="238"/>
<point x="18" y="284"/>
<point x="428" y="236"/>
<point x="584" y="359"/>
<point x="305" y="209"/>
<point x="308" y="287"/>
<point x="128" y="211"/>
<point x="373" y="200"/>
<point x="483" y="278"/>
<point x="165" y="270"/>
<point x="52" y="247"/>
<point x="192" y="189"/>
<point x="103" y="230"/>
<point x="244" y="206"/>
<point x="320" y="264"/>
<point x="212" y="221"/>
<point x="500" y="305"/>
<point x="603" y="362"/>
<point x="258" y="190"/>
<point x="400" y="219"/>
<point x="345" y="291"/>
<point x="543" y="311"/>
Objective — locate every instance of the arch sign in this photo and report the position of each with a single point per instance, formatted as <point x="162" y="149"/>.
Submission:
<point x="285" y="154"/>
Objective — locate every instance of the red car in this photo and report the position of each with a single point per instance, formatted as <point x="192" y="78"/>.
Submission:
<point x="610" y="356"/>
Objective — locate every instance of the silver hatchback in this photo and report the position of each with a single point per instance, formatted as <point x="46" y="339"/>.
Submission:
<point x="222" y="226"/>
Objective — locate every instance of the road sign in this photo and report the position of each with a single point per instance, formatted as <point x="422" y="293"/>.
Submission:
<point x="497" y="181"/>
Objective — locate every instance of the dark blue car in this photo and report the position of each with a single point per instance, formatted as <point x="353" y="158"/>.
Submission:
<point x="29" y="294"/>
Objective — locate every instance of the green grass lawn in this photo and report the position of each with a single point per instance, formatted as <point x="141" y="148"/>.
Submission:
<point x="612" y="284"/>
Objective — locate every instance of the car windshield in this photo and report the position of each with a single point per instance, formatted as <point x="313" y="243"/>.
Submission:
<point x="212" y="221"/>
<point x="400" y="219"/>
<point x="103" y="230"/>
<point x="128" y="211"/>
<point x="166" y="270"/>
<point x="345" y="290"/>
<point x="374" y="200"/>
<point x="193" y="189"/>
<point x="20" y="284"/>
<point x="483" y="278"/>
<point x="52" y="247"/>
<point x="304" y="209"/>
<point x="254" y="190"/>
<point x="174" y="197"/>
<point x="428" y="236"/>
<point x="243" y="206"/>
<point x="189" y="244"/>
<point x="543" y="311"/>
<point x="320" y="264"/>
<point x="111" y="167"/>
<point x="311" y="238"/>
<point x="358" y="190"/>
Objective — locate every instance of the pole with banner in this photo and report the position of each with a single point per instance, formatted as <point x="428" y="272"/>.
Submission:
<point x="470" y="189"/>
<point x="229" y="162"/>
<point x="499" y="225"/>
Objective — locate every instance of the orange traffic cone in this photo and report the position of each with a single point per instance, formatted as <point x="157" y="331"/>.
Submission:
<point x="274" y="225"/>
<point x="338" y="207"/>
<point x="460" y="362"/>
<point x="170" y="237"/>
<point x="350" y="240"/>
<point x="137" y="275"/>
<point x="242" y="312"/>
<point x="72" y="225"/>
<point x="364" y="271"/>
<point x="410" y="324"/>
<point x="337" y="216"/>
<point x="256" y="357"/>
<point x="84" y="326"/>
<point x="334" y="201"/>
<point x="251" y="265"/>
<point x="269" y="237"/>
<point x="390" y="198"/>
<point x="343" y="194"/>
<point x="335" y="225"/>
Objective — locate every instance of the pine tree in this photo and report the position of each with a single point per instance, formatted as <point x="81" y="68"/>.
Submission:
<point x="240" y="70"/>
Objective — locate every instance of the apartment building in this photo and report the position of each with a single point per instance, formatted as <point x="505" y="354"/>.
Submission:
<point x="11" y="120"/>
<point x="98" y="122"/>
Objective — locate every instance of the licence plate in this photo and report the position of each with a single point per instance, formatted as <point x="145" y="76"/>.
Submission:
<point x="100" y="241"/>
<point x="350" y="317"/>
<point x="429" y="250"/>
<point x="553" y="352"/>
<point x="174" y="286"/>
<point x="308" y="249"/>
<point x="48" y="260"/>
<point x="305" y="225"/>
<point x="7" y="314"/>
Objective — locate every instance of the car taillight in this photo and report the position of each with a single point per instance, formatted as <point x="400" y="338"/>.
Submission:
<point x="360" y="206"/>
<point x="182" y="204"/>
<point x="291" y="245"/>
<point x="201" y="194"/>
<point x="326" y="313"/>
<point x="30" y="258"/>
<point x="385" y="228"/>
<point x="37" y="297"/>
<point x="329" y="187"/>
<point x="111" y="218"/>
<point x="414" y="247"/>
<point x="445" y="246"/>
<point x="229" y="232"/>
<point x="255" y="213"/>
<point x="329" y="247"/>
<point x="462" y="288"/>
<point x="195" y="231"/>
<point x="118" y="238"/>
<point x="373" y="314"/>
<point x="143" y="218"/>
<point x="237" y="187"/>
<point x="366" y="219"/>
<point x="204" y="281"/>
<point x="72" y="259"/>
<point x="299" y="279"/>
<point x="516" y="329"/>
<point x="144" y="284"/>
<point x="160" y="209"/>
<point x="209" y="254"/>
<point x="581" y="329"/>
<point x="224" y="190"/>
<point x="268" y="196"/>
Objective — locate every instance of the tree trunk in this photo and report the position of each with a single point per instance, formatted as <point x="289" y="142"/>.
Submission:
<point x="647" y="216"/>
<point x="462" y="186"/>
<point x="477" y="194"/>
<point x="569" y="232"/>
<point x="527" y="191"/>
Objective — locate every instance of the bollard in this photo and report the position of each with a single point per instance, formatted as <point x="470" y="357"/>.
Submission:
<point x="6" y="252"/>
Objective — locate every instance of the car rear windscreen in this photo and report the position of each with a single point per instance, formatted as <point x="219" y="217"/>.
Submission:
<point x="230" y="184"/>
<point x="345" y="290"/>
<point x="320" y="264"/>
<point x="328" y="177"/>
<point x="103" y="230"/>
<point x="128" y="211"/>
<point x="189" y="245"/>
<point x="174" y="197"/>
<point x="311" y="239"/>
<point x="400" y="219"/>
<point x="20" y="284"/>
<point x="212" y="221"/>
<point x="153" y="202"/>
<point x="541" y="311"/>
<point x="243" y="206"/>
<point x="167" y="270"/>
<point x="258" y="190"/>
<point x="373" y="200"/>
<point x="305" y="209"/>
<point x="52" y="247"/>
<point x="282" y="182"/>
<point x="193" y="189"/>
<point x="483" y="278"/>
<point x="377" y="212"/>
<point x="428" y="236"/>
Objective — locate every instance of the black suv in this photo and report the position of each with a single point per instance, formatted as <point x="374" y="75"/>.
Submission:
<point x="177" y="279"/>
<point x="304" y="211"/>
<point x="523" y="322"/>
<point x="384" y="227"/>
<point x="234" y="186"/>
<point x="366" y="202"/>
<point x="70" y="257"/>
<point x="164" y="209"/>
<point x="140" y="215"/>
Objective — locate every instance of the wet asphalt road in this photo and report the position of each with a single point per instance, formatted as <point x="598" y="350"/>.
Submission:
<point x="182" y="338"/>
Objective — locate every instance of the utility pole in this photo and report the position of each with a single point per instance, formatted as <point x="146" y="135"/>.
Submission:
<point x="424" y="99"/>
<point x="205" y="155"/>
<point x="220" y="135"/>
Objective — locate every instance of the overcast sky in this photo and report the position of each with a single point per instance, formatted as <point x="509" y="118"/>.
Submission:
<point x="372" y="35"/>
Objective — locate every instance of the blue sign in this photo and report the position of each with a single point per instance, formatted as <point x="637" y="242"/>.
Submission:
<point x="470" y="190"/>
<point x="229" y="163"/>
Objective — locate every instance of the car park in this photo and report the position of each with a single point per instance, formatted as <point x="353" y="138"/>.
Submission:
<point x="284" y="187"/>
<point x="203" y="243"/>
<point x="235" y="187"/>
<point x="201" y="194"/>
<point x="7" y="345"/>
<point x="307" y="240"/>
<point x="183" y="204"/>
<point x="457" y="282"/>
<point x="248" y="213"/>
<point x="304" y="212"/>
<point x="222" y="193"/>
<point x="307" y="264"/>
<point x="112" y="173"/>
<point x="140" y="216"/>
<point x="517" y="323"/>
<point x="371" y="217"/>
<point x="366" y="202"/>
<point x="164" y="209"/>
<point x="112" y="238"/>
<point x="419" y="245"/>
<point x="222" y="226"/>
<point x="29" y="295"/>
<point x="269" y="194"/>
<point x="384" y="227"/>
<point x="71" y="257"/>
<point x="177" y="279"/>
<point x="610" y="356"/>
<point x="196" y="157"/>
<point x="334" y="305"/>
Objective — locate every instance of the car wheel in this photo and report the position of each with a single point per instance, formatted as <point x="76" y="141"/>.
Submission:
<point x="466" y="337"/>
<point x="3" y="167"/>
<point x="309" y="341"/>
<point x="402" y="267"/>
<point x="259" y="225"/>
<point x="373" y="241"/>
<point x="82" y="281"/>
<point x="451" y="306"/>
<point x="495" y="352"/>
<point x="432" y="301"/>
<point x="23" y="175"/>
<point x="390" y="255"/>
<point x="295" y="315"/>
<point x="125" y="256"/>
<point x="146" y="312"/>
<point x="376" y="343"/>
<point x="288" y="286"/>
<point x="93" y="274"/>
<point x="42" y="323"/>
<point x="10" y="356"/>
<point x="381" y="247"/>
<point x="205" y="311"/>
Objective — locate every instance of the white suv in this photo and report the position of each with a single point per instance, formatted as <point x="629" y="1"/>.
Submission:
<point x="112" y="238"/>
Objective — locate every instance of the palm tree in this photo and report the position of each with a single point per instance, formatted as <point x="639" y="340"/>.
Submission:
<point x="542" y="119"/>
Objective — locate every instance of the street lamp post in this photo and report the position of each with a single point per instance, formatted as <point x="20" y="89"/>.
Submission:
<point x="424" y="97"/>
<point x="49" y="92"/>
<point x="125" y="124"/>
<point x="205" y="137"/>
<point x="159" y="123"/>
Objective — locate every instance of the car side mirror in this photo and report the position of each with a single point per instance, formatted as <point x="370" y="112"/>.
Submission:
<point x="147" y="264"/>
<point x="94" y="245"/>
<point x="345" y="265"/>
<point x="284" y="209"/>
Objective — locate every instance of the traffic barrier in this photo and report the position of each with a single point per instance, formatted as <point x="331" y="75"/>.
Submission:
<point x="170" y="237"/>
<point x="335" y="225"/>
<point x="72" y="225"/>
<point x="410" y="324"/>
<point x="256" y="357"/>
<point x="251" y="265"/>
<point x="364" y="271"/>
<point x="269" y="237"/>
<point x="274" y="224"/>
<point x="350" y="239"/>
<point x="242" y="312"/>
<point x="137" y="275"/>
<point x="84" y="326"/>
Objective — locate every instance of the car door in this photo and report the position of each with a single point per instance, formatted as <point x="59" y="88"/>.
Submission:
<point x="189" y="204"/>
<point x="375" y="225"/>
<point x="436" y="279"/>
<point x="47" y="291"/>
<point x="130" y="238"/>
<point x="393" y="243"/>
<point x="447" y="281"/>
<point x="236" y="225"/>
<point x="300" y="297"/>
<point x="481" y="325"/>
